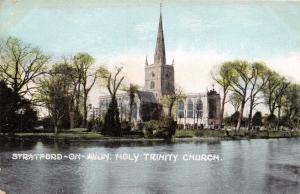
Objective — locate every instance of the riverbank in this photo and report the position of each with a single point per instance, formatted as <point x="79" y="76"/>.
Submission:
<point x="83" y="135"/>
<point x="233" y="135"/>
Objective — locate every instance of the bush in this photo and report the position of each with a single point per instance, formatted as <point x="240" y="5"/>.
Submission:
<point x="164" y="128"/>
<point x="271" y="122"/>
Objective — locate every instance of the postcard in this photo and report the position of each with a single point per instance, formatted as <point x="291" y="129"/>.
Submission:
<point x="149" y="96"/>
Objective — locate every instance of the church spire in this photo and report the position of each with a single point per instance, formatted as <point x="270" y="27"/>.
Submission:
<point x="160" y="53"/>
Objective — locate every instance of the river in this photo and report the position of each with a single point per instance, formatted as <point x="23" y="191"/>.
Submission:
<point x="241" y="166"/>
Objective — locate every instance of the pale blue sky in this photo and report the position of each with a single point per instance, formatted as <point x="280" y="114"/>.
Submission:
<point x="238" y="29"/>
<point x="199" y="34"/>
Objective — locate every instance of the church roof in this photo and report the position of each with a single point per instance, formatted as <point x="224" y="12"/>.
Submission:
<point x="160" y="53"/>
<point x="145" y="96"/>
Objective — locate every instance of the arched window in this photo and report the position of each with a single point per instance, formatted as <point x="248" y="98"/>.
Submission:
<point x="152" y="85"/>
<point x="199" y="108"/>
<point x="190" y="107"/>
<point x="168" y="85"/>
<point x="212" y="109"/>
<point x="180" y="109"/>
<point x="134" y="111"/>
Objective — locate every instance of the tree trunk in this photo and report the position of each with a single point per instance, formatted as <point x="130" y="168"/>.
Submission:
<point x="55" y="128"/>
<point x="250" y="115"/>
<point x="84" y="124"/>
<point x="222" y="110"/>
<point x="71" y="115"/>
<point x="238" y="126"/>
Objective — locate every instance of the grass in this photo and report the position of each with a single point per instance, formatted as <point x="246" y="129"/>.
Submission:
<point x="76" y="133"/>
<point x="185" y="133"/>
<point x="83" y="134"/>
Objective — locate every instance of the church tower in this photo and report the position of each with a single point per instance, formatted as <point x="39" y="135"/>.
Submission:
<point x="159" y="77"/>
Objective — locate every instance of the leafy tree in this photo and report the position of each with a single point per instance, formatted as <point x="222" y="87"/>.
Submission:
<point x="223" y="77"/>
<point x="86" y="78"/>
<point x="274" y="91"/>
<point x="291" y="105"/>
<point x="235" y="101"/>
<point x="57" y="94"/>
<point x="170" y="100"/>
<point x="21" y="65"/>
<point x="260" y="77"/>
<point x="239" y="84"/>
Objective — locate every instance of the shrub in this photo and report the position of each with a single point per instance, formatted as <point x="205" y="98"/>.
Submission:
<point x="163" y="128"/>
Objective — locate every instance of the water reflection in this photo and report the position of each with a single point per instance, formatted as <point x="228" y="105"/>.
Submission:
<point x="247" y="166"/>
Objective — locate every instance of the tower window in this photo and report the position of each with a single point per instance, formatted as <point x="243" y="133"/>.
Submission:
<point x="168" y="85"/>
<point x="153" y="74"/>
<point x="167" y="75"/>
<point x="152" y="85"/>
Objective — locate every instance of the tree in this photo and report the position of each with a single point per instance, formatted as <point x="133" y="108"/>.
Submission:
<point x="112" y="124"/>
<point x="170" y="100"/>
<point x="223" y="77"/>
<point x="274" y="91"/>
<point x="257" y="119"/>
<point x="21" y="65"/>
<point x="16" y="113"/>
<point x="86" y="77"/>
<point x="7" y="108"/>
<point x="57" y="94"/>
<point x="260" y="76"/>
<point x="291" y="105"/>
<point x="235" y="101"/>
<point x="239" y="83"/>
<point x="131" y="90"/>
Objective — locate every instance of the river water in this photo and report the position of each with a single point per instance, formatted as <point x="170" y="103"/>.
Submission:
<point x="241" y="166"/>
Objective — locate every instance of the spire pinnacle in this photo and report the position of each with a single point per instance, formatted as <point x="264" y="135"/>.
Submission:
<point x="146" y="63"/>
<point x="160" y="53"/>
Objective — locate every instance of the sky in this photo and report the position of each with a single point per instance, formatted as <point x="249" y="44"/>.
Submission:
<point x="198" y="34"/>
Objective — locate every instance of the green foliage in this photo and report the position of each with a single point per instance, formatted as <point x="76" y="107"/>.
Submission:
<point x="163" y="128"/>
<point x="271" y="122"/>
<point x="150" y="111"/>
<point x="171" y="100"/>
<point x="21" y="65"/>
<point x="233" y="119"/>
<point x="131" y="90"/>
<point x="257" y="119"/>
<point x="112" y="125"/>
<point x="16" y="113"/>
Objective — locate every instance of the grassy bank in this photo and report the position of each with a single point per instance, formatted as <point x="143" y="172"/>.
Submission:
<point x="82" y="134"/>
<point x="234" y="135"/>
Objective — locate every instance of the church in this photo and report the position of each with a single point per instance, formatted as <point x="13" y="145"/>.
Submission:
<point x="194" y="110"/>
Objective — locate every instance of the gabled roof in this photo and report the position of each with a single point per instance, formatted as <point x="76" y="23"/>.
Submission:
<point x="147" y="97"/>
